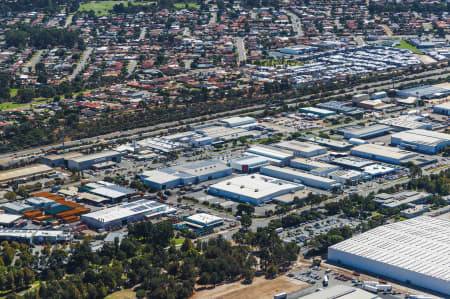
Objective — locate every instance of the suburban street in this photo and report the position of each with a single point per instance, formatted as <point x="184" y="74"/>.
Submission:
<point x="242" y="55"/>
<point x="82" y="63"/>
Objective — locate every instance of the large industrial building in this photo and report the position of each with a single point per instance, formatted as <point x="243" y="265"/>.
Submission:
<point x="204" y="220"/>
<point x="237" y="121"/>
<point x="87" y="161"/>
<point x="188" y="174"/>
<point x="277" y="156"/>
<point x="414" y="251"/>
<point x="335" y="145"/>
<point x="249" y="164"/>
<point x="29" y="172"/>
<point x="121" y="215"/>
<point x="254" y="189"/>
<point x="423" y="141"/>
<point x="424" y="92"/>
<point x="302" y="149"/>
<point x="315" y="167"/>
<point x="442" y="108"/>
<point x="382" y="153"/>
<point x="35" y="236"/>
<point x="317" y="111"/>
<point x="364" y="132"/>
<point x="305" y="178"/>
<point x="61" y="159"/>
<point x="408" y="198"/>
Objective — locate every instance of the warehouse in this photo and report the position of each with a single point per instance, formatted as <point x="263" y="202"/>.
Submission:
<point x="237" y="121"/>
<point x="409" y="198"/>
<point x="364" y="132"/>
<point x="25" y="173"/>
<point x="376" y="170"/>
<point x="188" y="174"/>
<point x="254" y="189"/>
<point x="307" y="179"/>
<point x="121" y="215"/>
<point x="204" y="220"/>
<point x="335" y="145"/>
<point x="35" y="236"/>
<point x="352" y="162"/>
<point x="9" y="220"/>
<point x="424" y="92"/>
<point x="58" y="160"/>
<point x="317" y="111"/>
<point x="348" y="177"/>
<point x="113" y="193"/>
<point x="382" y="153"/>
<point x="16" y="207"/>
<point x="413" y="251"/>
<point x="85" y="162"/>
<point x="442" y="108"/>
<point x="423" y="141"/>
<point x="316" y="167"/>
<point x="407" y="122"/>
<point x="340" y="107"/>
<point x="249" y="164"/>
<point x="302" y="149"/>
<point x="341" y="291"/>
<point x="283" y="156"/>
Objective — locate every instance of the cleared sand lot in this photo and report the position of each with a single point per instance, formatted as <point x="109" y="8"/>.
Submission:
<point x="261" y="288"/>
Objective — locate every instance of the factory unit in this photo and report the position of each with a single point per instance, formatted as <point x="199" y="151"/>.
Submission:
<point x="121" y="215"/>
<point x="352" y="162"/>
<point x="16" y="207"/>
<point x="413" y="251"/>
<point x="424" y="92"/>
<point x="276" y="154"/>
<point x="237" y="121"/>
<point x="341" y="291"/>
<point x="340" y="107"/>
<point x="442" y="108"/>
<point x="376" y="170"/>
<point x="423" y="141"/>
<point x="340" y="146"/>
<point x="61" y="159"/>
<point x="348" y="177"/>
<point x="204" y="220"/>
<point x="25" y="173"/>
<point x="409" y="198"/>
<point x="296" y="176"/>
<point x="315" y="167"/>
<point x="407" y="122"/>
<point x="35" y="236"/>
<point x="364" y="132"/>
<point x="87" y="161"/>
<point x="317" y="111"/>
<point x="9" y="220"/>
<point x="112" y="193"/>
<point x="302" y="149"/>
<point x="382" y="153"/>
<point x="188" y="174"/>
<point x="254" y="189"/>
<point x="248" y="164"/>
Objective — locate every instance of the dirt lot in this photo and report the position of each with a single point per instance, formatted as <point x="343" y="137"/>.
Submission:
<point x="260" y="288"/>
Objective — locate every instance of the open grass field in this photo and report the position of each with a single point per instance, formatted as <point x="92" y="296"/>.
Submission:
<point x="102" y="8"/>
<point x="189" y="5"/>
<point x="123" y="294"/>
<point x="9" y="105"/>
<point x="406" y="45"/>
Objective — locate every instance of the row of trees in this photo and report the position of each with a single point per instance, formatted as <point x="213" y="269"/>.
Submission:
<point x="41" y="38"/>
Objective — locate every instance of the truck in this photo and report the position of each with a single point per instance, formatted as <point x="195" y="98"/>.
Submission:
<point x="384" y="287"/>
<point x="325" y="281"/>
<point x="370" y="288"/>
<point x="280" y="296"/>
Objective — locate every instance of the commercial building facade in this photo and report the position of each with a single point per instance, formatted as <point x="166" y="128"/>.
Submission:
<point x="382" y="153"/>
<point x="85" y="162"/>
<point x="188" y="174"/>
<point x="254" y="189"/>
<point x="305" y="178"/>
<point x="423" y="141"/>
<point x="121" y="215"/>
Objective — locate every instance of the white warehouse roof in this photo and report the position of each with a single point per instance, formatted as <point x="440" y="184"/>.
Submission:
<point x="402" y="250"/>
<point x="383" y="151"/>
<point x="205" y="219"/>
<point x="424" y="137"/>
